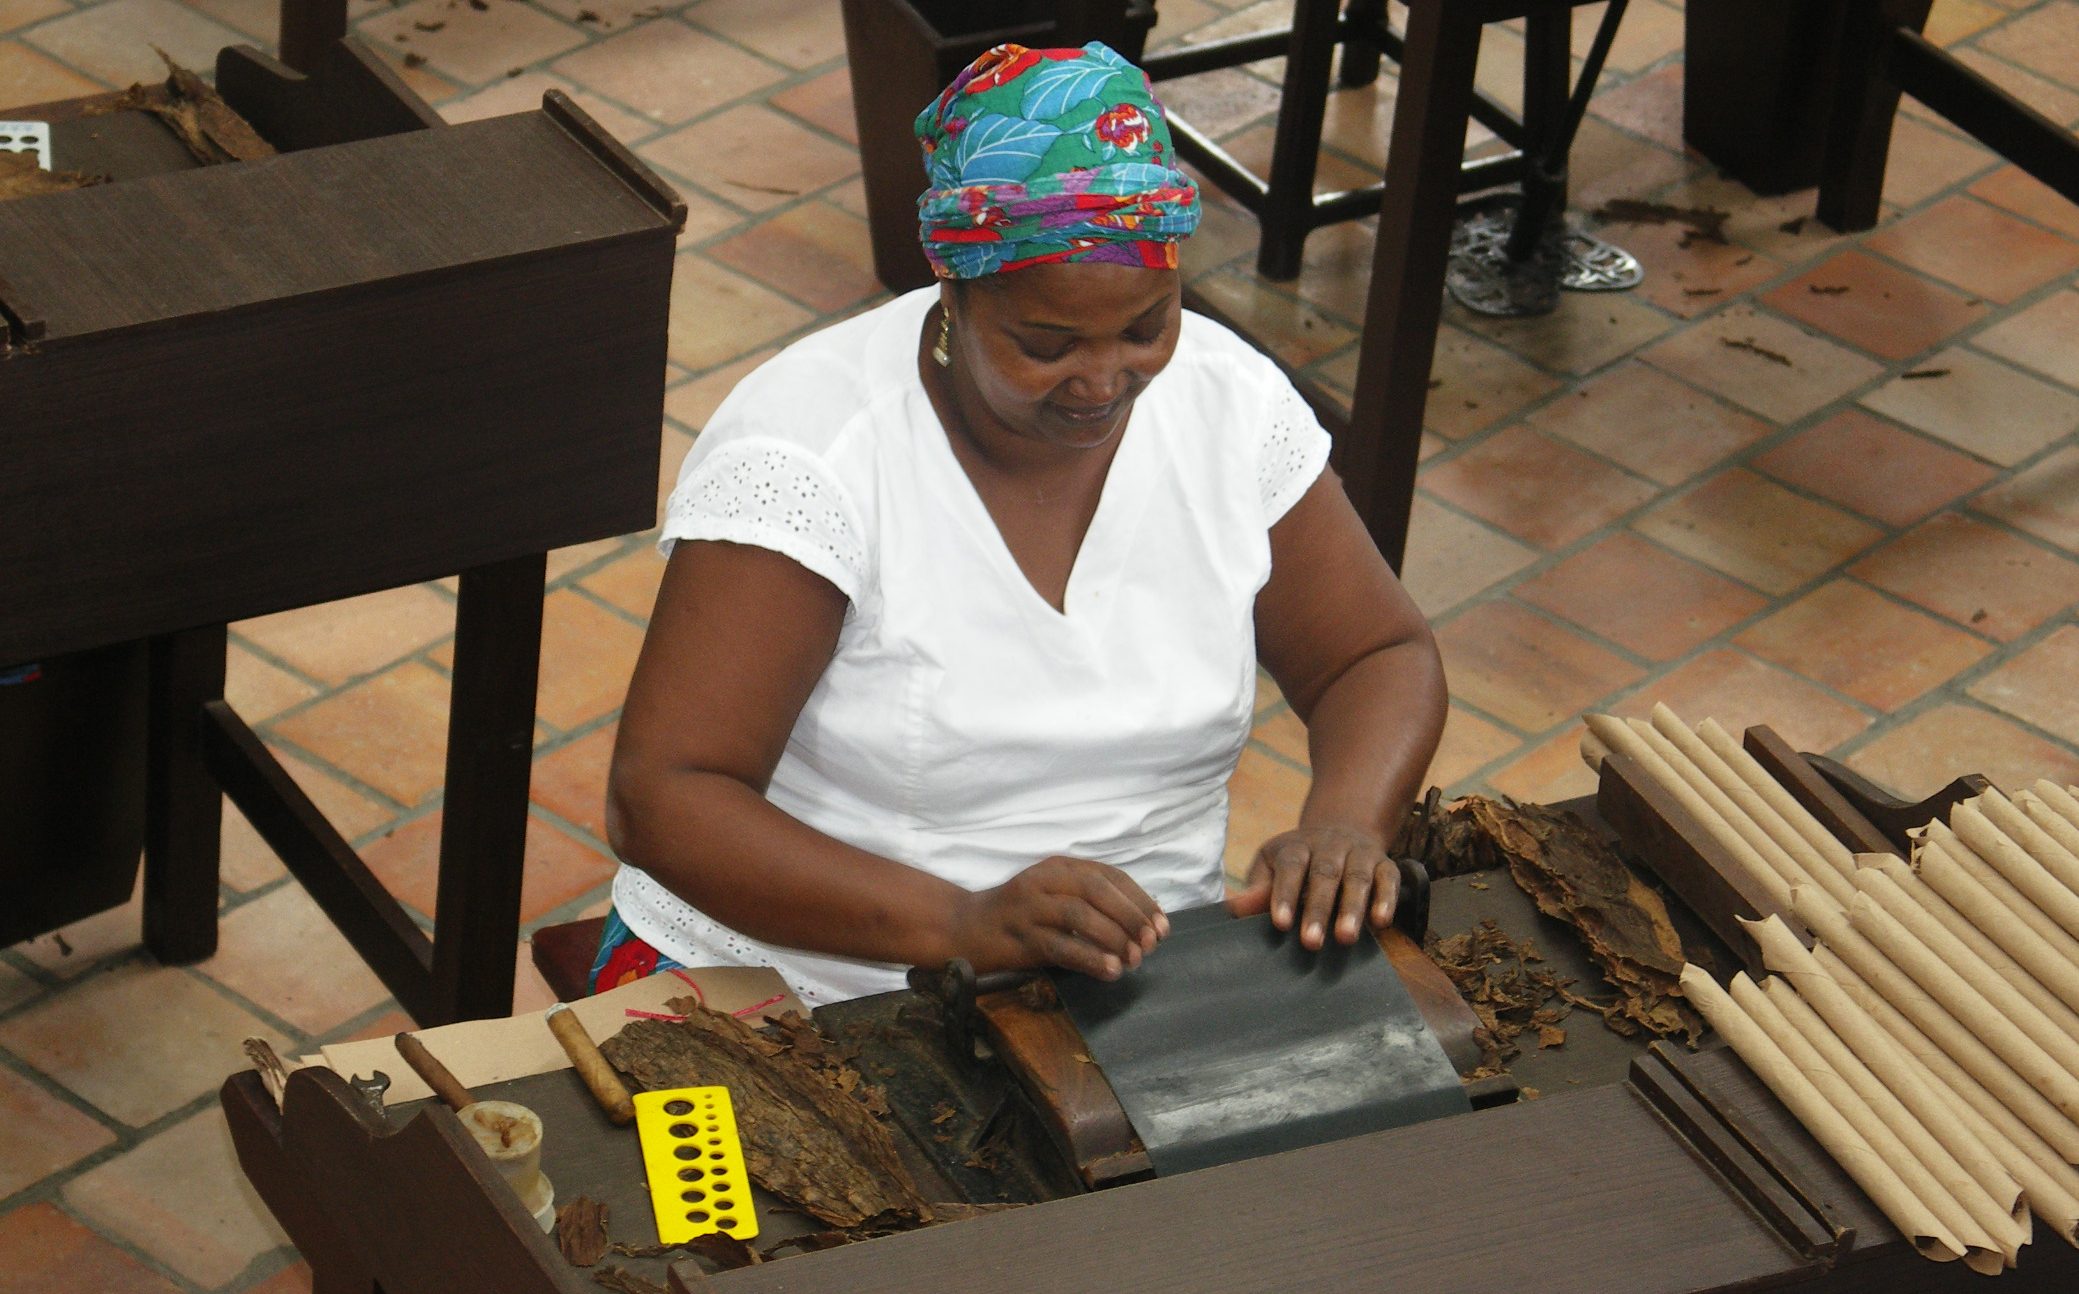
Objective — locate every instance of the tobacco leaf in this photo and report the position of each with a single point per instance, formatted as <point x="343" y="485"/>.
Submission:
<point x="581" y="1231"/>
<point x="20" y="177"/>
<point x="725" y="1251"/>
<point x="807" y="1121"/>
<point x="1575" y="877"/>
<point x="210" y="129"/>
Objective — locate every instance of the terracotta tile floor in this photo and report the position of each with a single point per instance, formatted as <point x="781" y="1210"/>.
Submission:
<point x="1617" y="507"/>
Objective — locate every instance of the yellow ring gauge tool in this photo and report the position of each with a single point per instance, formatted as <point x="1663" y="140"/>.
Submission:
<point x="694" y="1163"/>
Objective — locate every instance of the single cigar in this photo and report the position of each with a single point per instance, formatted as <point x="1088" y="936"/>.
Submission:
<point x="427" y="1066"/>
<point x="591" y="1065"/>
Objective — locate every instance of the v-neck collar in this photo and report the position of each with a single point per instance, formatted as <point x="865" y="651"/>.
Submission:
<point x="1093" y="578"/>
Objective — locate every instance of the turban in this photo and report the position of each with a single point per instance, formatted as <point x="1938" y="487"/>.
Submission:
<point x="1043" y="155"/>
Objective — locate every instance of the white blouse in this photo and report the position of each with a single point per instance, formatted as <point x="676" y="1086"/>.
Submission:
<point x="964" y="726"/>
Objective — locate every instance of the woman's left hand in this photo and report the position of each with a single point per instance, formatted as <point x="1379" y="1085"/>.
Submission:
<point x="1316" y="876"/>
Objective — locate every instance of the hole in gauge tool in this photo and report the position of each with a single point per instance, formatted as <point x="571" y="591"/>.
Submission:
<point x="686" y="1152"/>
<point x="678" y="1107"/>
<point x="714" y="1141"/>
<point x="696" y="1216"/>
<point x="726" y="1221"/>
<point x="724" y="1202"/>
<point x="693" y="1196"/>
<point x="714" y="1154"/>
<point x="684" y="1130"/>
<point x="691" y="1174"/>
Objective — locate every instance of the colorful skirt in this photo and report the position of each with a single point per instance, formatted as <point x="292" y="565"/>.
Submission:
<point x="623" y="958"/>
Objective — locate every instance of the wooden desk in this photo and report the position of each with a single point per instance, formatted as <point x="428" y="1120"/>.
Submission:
<point x="396" y="351"/>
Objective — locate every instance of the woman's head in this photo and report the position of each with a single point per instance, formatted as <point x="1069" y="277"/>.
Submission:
<point x="1036" y="157"/>
<point x="1053" y="219"/>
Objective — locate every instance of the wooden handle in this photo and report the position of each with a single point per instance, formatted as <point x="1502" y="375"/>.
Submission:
<point x="591" y="1064"/>
<point x="427" y="1066"/>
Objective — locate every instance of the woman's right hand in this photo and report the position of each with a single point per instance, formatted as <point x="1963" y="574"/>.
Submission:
<point x="1069" y="912"/>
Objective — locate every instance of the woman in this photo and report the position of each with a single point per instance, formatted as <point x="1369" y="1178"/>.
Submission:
<point x="957" y="645"/>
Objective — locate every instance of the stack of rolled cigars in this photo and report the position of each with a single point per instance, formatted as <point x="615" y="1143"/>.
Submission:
<point x="1930" y="1041"/>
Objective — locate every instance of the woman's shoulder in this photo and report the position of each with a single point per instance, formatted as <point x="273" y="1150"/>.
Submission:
<point x="814" y="389"/>
<point x="1210" y="354"/>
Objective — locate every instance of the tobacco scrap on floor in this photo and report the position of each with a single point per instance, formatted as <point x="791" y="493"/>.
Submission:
<point x="806" y="1119"/>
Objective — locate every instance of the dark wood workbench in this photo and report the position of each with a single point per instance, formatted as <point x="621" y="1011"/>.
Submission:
<point x="395" y="351"/>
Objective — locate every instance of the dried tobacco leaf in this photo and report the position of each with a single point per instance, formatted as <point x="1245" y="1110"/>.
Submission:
<point x="20" y="177"/>
<point x="808" y="1123"/>
<point x="622" y="1281"/>
<point x="581" y="1231"/>
<point x="190" y="107"/>
<point x="1576" y="878"/>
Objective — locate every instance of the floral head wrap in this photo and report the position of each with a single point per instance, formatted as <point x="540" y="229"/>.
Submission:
<point x="1042" y="155"/>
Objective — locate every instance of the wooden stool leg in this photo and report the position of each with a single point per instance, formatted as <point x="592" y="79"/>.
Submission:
<point x="183" y="807"/>
<point x="483" y="831"/>
<point x="1851" y="178"/>
<point x="1288" y="204"/>
<point x="1378" y="453"/>
<point x="1360" y="54"/>
<point x="308" y="29"/>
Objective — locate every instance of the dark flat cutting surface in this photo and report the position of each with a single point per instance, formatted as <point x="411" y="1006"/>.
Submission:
<point x="1233" y="1042"/>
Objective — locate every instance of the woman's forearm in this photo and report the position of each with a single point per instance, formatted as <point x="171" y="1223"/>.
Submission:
<point x="1370" y="736"/>
<point x="725" y="849"/>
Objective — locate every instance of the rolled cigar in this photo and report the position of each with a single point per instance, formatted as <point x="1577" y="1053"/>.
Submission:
<point x="1953" y="957"/>
<point x="2040" y="844"/>
<point x="1773" y="830"/>
<point x="2025" y="911"/>
<point x="591" y="1065"/>
<point x="2045" y="966"/>
<point x="2061" y="1017"/>
<point x="1963" y="1002"/>
<point x="1975" y="1149"/>
<point x="2064" y="800"/>
<point x="1924" y="1164"/>
<point x="1850" y="1150"/>
<point x="2046" y="816"/>
<point x="1728" y="748"/>
<point x="2051" y="1184"/>
<point x="1893" y="986"/>
<point x="1592" y="750"/>
<point x="2049" y="894"/>
<point x="437" y="1075"/>
<point x="1616" y="735"/>
<point x="1743" y="826"/>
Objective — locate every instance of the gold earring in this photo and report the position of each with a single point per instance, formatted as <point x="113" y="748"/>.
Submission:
<point x="941" y="350"/>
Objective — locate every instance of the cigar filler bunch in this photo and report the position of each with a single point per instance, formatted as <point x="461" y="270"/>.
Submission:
<point x="1929" y="1040"/>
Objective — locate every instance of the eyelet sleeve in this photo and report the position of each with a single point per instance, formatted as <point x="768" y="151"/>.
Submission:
<point x="1292" y="452"/>
<point x="776" y="495"/>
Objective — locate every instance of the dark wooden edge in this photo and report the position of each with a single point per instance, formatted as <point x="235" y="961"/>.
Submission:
<point x="255" y="1124"/>
<point x="1895" y="818"/>
<point x="1677" y="848"/>
<point x="1800" y="776"/>
<point x="1987" y="113"/>
<point x="615" y="156"/>
<point x="312" y="849"/>
<point x="24" y="328"/>
<point x="1722" y="1139"/>
<point x="349" y="93"/>
<point x="1075" y="1101"/>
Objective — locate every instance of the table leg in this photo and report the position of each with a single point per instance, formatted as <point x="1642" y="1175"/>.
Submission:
<point x="1360" y="55"/>
<point x="183" y="807"/>
<point x="308" y="28"/>
<point x="483" y="834"/>
<point x="1377" y="455"/>
<point x="1288" y="204"/>
<point x="1866" y="100"/>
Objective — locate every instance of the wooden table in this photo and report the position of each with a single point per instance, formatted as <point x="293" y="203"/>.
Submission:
<point x="397" y="351"/>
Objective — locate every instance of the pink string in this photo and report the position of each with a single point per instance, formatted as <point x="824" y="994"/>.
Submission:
<point x="694" y="984"/>
<point x="753" y="1010"/>
<point x="654" y="1015"/>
